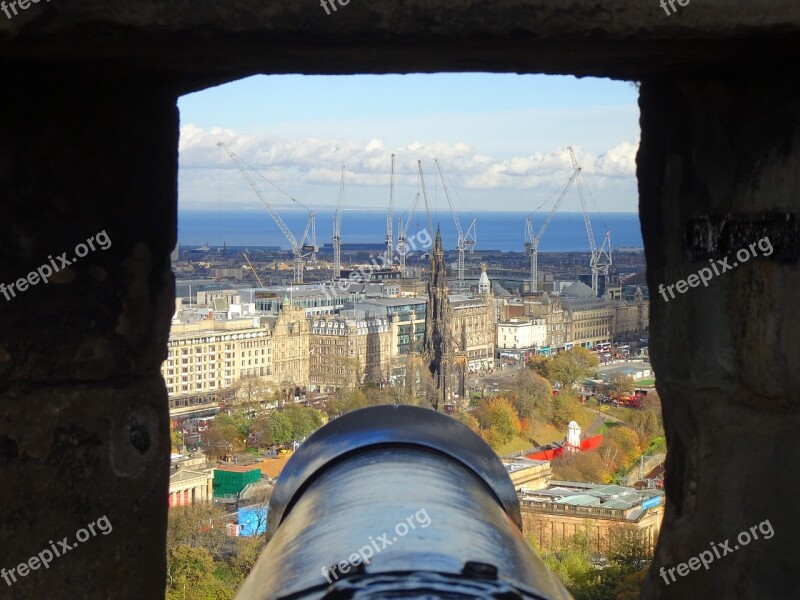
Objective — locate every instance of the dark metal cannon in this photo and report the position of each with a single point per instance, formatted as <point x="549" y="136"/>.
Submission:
<point x="400" y="502"/>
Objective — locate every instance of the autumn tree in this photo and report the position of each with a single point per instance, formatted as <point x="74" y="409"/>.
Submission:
<point x="467" y="419"/>
<point x="620" y="385"/>
<point x="246" y="553"/>
<point x="626" y="441"/>
<point x="261" y="432"/>
<point x="566" y="408"/>
<point x="176" y="440"/>
<point x="647" y="421"/>
<point x="581" y="466"/>
<point x="197" y="525"/>
<point x="539" y="365"/>
<point x="222" y="437"/>
<point x="533" y="396"/>
<point x="498" y="420"/>
<point x="572" y="365"/>
<point x="400" y="394"/>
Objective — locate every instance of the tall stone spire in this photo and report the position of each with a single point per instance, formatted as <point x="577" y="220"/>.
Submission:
<point x="438" y="352"/>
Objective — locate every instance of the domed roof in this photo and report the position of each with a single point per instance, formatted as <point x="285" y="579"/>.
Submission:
<point x="578" y="289"/>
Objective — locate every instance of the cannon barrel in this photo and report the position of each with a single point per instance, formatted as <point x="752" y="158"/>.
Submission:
<point x="396" y="501"/>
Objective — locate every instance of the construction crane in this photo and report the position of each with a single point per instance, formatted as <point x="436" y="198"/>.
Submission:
<point x="253" y="269"/>
<point x="425" y="198"/>
<point x="402" y="235"/>
<point x="532" y="241"/>
<point x="389" y="217"/>
<point x="308" y="244"/>
<point x="600" y="260"/>
<point x="466" y="241"/>
<point x="337" y="232"/>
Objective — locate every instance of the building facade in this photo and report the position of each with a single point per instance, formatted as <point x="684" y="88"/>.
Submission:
<point x="472" y="327"/>
<point x="630" y="317"/>
<point x="290" y="351"/>
<point x="191" y="481"/>
<point x="522" y="334"/>
<point x="348" y="350"/>
<point x="206" y="358"/>
<point x="563" y="509"/>
<point x="544" y="306"/>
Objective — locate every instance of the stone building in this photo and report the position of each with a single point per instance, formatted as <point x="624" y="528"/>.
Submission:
<point x="472" y="328"/>
<point x="587" y="318"/>
<point x="206" y="358"/>
<point x="191" y="481"/>
<point x="543" y="305"/>
<point x="348" y="350"/>
<point x="563" y="509"/>
<point x="472" y="325"/>
<point x="630" y="317"/>
<point x="290" y="351"/>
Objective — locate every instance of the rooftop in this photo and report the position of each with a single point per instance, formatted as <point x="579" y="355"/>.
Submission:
<point x="597" y="495"/>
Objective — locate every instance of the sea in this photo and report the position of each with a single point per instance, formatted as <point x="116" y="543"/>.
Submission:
<point x="495" y="230"/>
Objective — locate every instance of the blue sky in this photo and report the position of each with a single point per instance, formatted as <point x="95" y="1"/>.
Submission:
<point x="502" y="139"/>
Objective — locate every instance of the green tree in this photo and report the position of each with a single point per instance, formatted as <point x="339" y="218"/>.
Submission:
<point x="628" y="549"/>
<point x="247" y="551"/>
<point x="572" y="365"/>
<point x="570" y="560"/>
<point x="300" y="421"/>
<point x="280" y="427"/>
<point x="190" y="574"/>
<point x="629" y="587"/>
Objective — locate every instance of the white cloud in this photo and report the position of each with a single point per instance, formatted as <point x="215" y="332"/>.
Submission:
<point x="313" y="166"/>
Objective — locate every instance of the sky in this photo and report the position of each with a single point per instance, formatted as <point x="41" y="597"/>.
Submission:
<point x="501" y="140"/>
